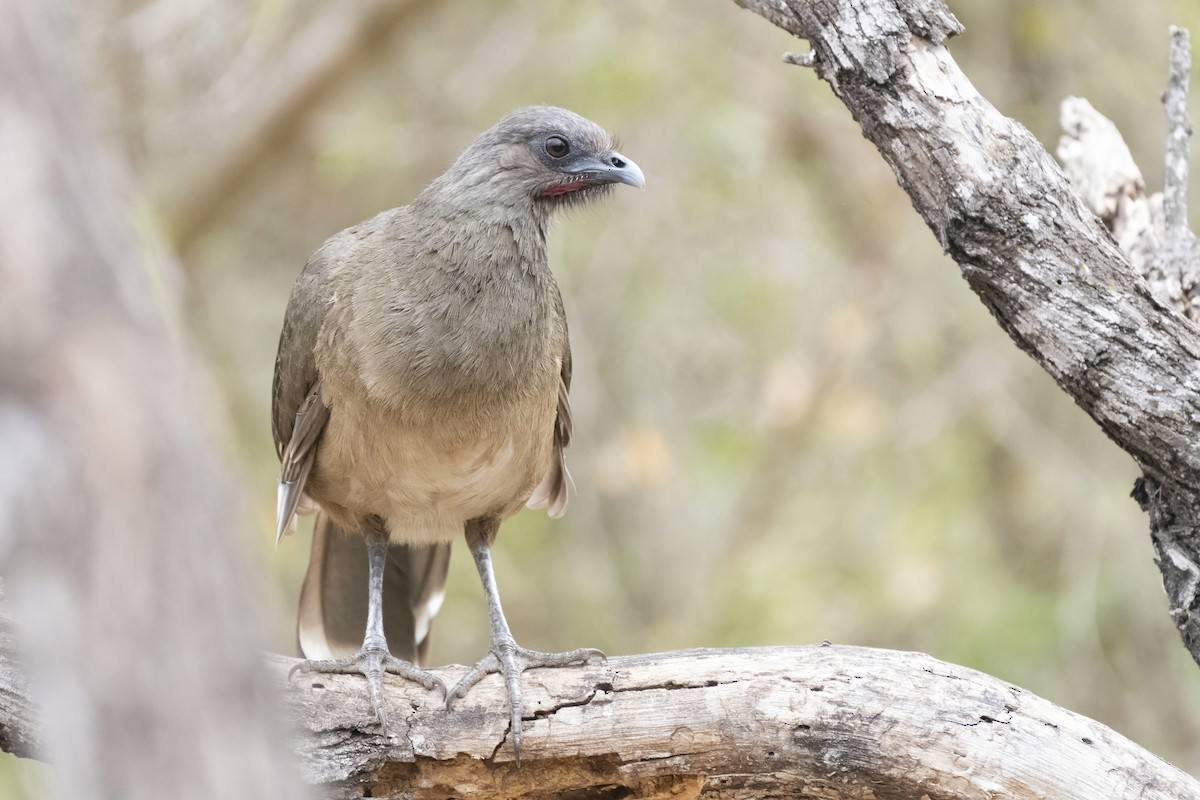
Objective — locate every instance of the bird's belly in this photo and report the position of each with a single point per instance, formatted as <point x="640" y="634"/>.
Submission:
<point x="427" y="474"/>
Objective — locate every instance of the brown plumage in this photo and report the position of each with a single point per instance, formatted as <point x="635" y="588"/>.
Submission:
<point x="421" y="392"/>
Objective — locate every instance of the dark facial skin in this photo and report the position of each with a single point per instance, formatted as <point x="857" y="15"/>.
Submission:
<point x="583" y="167"/>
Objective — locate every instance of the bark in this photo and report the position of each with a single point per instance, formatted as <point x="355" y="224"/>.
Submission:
<point x="131" y="601"/>
<point x="820" y="722"/>
<point x="20" y="733"/>
<point x="1028" y="246"/>
<point x="132" y="608"/>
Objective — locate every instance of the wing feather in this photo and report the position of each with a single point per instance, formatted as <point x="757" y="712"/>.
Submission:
<point x="298" y="457"/>
<point x="552" y="493"/>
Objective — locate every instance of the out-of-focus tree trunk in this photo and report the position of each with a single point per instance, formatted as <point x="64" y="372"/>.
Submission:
<point x="133" y="608"/>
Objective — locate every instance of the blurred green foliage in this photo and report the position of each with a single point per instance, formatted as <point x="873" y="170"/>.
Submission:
<point x="794" y="421"/>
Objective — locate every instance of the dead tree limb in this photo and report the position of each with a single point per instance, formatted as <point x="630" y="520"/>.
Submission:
<point x="828" y="722"/>
<point x="1037" y="256"/>
<point x="1151" y="229"/>
<point x="1178" y="131"/>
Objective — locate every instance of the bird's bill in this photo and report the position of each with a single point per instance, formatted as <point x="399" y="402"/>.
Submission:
<point x="609" y="168"/>
<point x="616" y="168"/>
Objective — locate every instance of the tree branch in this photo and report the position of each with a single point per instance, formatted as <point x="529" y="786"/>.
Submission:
<point x="1179" y="256"/>
<point x="1101" y="168"/>
<point x="818" y="721"/>
<point x="828" y="721"/>
<point x="1040" y="260"/>
<point x="1178" y="131"/>
<point x="320" y="58"/>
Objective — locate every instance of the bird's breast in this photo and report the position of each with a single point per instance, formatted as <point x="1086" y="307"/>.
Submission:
<point x="445" y="335"/>
<point x="440" y="367"/>
<point x="428" y="468"/>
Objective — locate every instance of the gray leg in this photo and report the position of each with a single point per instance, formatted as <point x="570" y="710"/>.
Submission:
<point x="506" y="656"/>
<point x="374" y="659"/>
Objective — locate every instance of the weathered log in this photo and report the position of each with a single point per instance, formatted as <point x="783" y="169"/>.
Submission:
<point x="817" y="721"/>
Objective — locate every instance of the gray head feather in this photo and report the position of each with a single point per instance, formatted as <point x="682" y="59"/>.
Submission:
<point x="537" y="159"/>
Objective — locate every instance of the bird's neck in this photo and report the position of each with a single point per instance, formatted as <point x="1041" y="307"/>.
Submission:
<point x="494" y="320"/>
<point x="485" y="237"/>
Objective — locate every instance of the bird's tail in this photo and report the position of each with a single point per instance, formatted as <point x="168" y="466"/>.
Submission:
<point x="333" y="600"/>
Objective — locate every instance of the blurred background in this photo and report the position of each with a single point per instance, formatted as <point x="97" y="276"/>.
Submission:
<point x="793" y="420"/>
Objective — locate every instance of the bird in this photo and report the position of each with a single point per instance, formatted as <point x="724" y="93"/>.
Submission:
<point x="421" y="394"/>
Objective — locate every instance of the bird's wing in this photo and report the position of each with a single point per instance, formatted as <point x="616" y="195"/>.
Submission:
<point x="298" y="456"/>
<point x="551" y="493"/>
<point x="297" y="413"/>
<point x="333" y="603"/>
<point x="295" y="364"/>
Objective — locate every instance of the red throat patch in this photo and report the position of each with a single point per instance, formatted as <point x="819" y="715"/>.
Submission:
<point x="566" y="187"/>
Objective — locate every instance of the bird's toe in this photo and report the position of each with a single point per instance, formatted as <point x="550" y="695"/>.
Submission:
<point x="372" y="663"/>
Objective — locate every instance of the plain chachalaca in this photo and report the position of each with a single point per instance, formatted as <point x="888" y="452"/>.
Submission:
<point x="421" y="393"/>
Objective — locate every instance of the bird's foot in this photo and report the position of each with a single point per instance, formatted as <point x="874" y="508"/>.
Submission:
<point x="509" y="659"/>
<point x="372" y="662"/>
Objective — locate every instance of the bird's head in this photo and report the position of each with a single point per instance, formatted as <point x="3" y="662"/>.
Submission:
<point x="542" y="158"/>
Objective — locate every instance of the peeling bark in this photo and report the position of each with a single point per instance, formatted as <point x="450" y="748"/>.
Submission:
<point x="1164" y="253"/>
<point x="1038" y="257"/>
<point x="820" y="722"/>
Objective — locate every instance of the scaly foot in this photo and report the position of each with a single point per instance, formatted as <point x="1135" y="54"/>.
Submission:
<point x="510" y="660"/>
<point x="372" y="662"/>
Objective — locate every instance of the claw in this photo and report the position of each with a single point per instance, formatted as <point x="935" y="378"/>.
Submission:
<point x="372" y="663"/>
<point x="509" y="659"/>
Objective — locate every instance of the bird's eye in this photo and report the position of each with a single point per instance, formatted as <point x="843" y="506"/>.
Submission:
<point x="557" y="147"/>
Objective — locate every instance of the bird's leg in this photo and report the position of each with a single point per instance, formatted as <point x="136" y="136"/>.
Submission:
<point x="374" y="658"/>
<point x="506" y="656"/>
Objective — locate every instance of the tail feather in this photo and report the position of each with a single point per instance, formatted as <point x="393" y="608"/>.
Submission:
<point x="333" y="601"/>
<point x="551" y="493"/>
